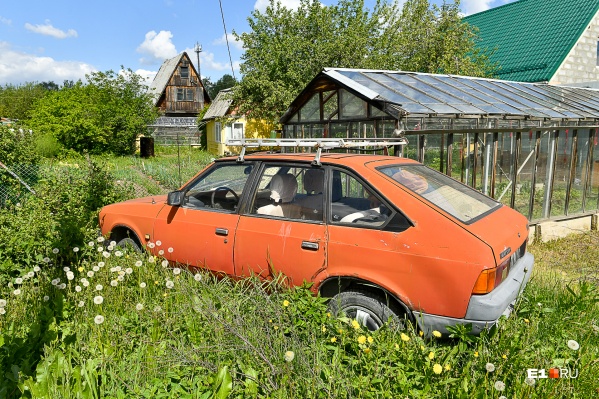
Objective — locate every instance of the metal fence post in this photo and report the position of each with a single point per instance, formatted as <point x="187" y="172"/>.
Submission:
<point x="551" y="158"/>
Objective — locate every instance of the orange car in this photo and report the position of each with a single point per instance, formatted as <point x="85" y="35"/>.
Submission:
<point x="384" y="237"/>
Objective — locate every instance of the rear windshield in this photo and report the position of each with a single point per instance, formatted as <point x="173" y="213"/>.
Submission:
<point x="459" y="200"/>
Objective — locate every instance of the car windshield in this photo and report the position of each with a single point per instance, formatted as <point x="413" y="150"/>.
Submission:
<point x="459" y="200"/>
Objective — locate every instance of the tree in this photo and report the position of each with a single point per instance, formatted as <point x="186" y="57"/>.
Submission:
<point x="105" y="115"/>
<point x="285" y="49"/>
<point x="17" y="101"/>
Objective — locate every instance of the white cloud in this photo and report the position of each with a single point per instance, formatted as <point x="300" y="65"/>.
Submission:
<point x="5" y="21"/>
<point x="157" y="47"/>
<point x="49" y="30"/>
<point x="147" y="75"/>
<point x="474" y="6"/>
<point x="17" y="68"/>
<point x="262" y="4"/>
<point x="238" y="44"/>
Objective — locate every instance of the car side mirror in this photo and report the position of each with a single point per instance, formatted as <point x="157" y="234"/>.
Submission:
<point x="175" y="198"/>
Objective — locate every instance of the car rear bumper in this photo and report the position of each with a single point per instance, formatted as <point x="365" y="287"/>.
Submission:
<point x="484" y="310"/>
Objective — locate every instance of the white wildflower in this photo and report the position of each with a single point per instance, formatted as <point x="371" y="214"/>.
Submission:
<point x="78" y="288"/>
<point x="55" y="250"/>
<point x="90" y="273"/>
<point x="197" y="277"/>
<point x="142" y="285"/>
<point x="138" y="263"/>
<point x="2" y="311"/>
<point x="17" y="292"/>
<point x="70" y="276"/>
<point x="62" y="286"/>
<point x="165" y="263"/>
<point x="37" y="269"/>
<point x="114" y="283"/>
<point x="170" y="284"/>
<point x="85" y="283"/>
<point x="128" y="270"/>
<point x="139" y="306"/>
<point x="118" y="253"/>
<point x="530" y="381"/>
<point x="100" y="239"/>
<point x="100" y="249"/>
<point x="573" y="345"/>
<point x="18" y="280"/>
<point x="151" y="245"/>
<point x="113" y="243"/>
<point x="46" y="298"/>
<point x="2" y="303"/>
<point x="170" y="250"/>
<point x="490" y="367"/>
<point x="76" y="249"/>
<point x="289" y="356"/>
<point x="30" y="274"/>
<point x="176" y="271"/>
<point x="91" y="244"/>
<point x="55" y="281"/>
<point x="121" y="278"/>
<point x="96" y="268"/>
<point x="101" y="264"/>
<point x="66" y="269"/>
<point x="81" y="303"/>
<point x="161" y="252"/>
<point x="158" y="243"/>
<point x="98" y="300"/>
<point x="99" y="287"/>
<point x="106" y="254"/>
<point x="499" y="385"/>
<point x="151" y="259"/>
<point x="47" y="260"/>
<point x="99" y="319"/>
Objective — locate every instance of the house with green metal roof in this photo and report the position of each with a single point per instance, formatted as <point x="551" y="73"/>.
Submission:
<point x="554" y="41"/>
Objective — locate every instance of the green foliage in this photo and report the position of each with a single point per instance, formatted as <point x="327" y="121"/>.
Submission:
<point x="17" y="146"/>
<point x="225" y="82"/>
<point x="17" y="101"/>
<point x="64" y="209"/>
<point x="286" y="49"/>
<point x="103" y="116"/>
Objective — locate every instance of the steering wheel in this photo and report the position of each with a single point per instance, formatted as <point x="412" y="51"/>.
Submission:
<point x="225" y="190"/>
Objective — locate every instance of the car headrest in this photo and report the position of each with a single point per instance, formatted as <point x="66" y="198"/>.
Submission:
<point x="283" y="188"/>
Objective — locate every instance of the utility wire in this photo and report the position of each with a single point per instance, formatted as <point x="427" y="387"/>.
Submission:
<point x="226" y="37"/>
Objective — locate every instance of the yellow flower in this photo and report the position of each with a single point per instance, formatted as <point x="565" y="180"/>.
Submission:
<point x="361" y="339"/>
<point x="333" y="340"/>
<point x="437" y="369"/>
<point x="504" y="356"/>
<point x="421" y="333"/>
<point x="355" y="324"/>
<point x="340" y="330"/>
<point x="276" y="327"/>
<point x="289" y="356"/>
<point x="285" y="303"/>
<point x="366" y="350"/>
<point x="81" y="268"/>
<point x="476" y="354"/>
<point x="431" y="355"/>
<point x="270" y="321"/>
<point x="421" y="347"/>
<point x="397" y="346"/>
<point x="526" y="321"/>
<point x="437" y="334"/>
<point x="404" y="337"/>
<point x="323" y="328"/>
<point x="328" y="314"/>
<point x="370" y="340"/>
<point x="447" y="367"/>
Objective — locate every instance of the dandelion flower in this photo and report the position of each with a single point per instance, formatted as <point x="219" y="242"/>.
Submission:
<point x="128" y="270"/>
<point x="158" y="243"/>
<point x="17" y="292"/>
<point x="120" y="278"/>
<point x="85" y="283"/>
<point x="30" y="274"/>
<point x="573" y="345"/>
<point x="157" y="309"/>
<point x="170" y="250"/>
<point x="90" y="244"/>
<point x="161" y="252"/>
<point x="151" y="245"/>
<point x="361" y="339"/>
<point x="333" y="340"/>
<point x="499" y="385"/>
<point x="421" y="333"/>
<point x="530" y="382"/>
<point x="370" y="340"/>
<point x="138" y="263"/>
<point x="36" y="269"/>
<point x="476" y="354"/>
<point x="62" y="286"/>
<point x="289" y="356"/>
<point x="2" y="311"/>
<point x="98" y="300"/>
<point x="70" y="276"/>
<point x="99" y="319"/>
<point x="355" y="324"/>
<point x="2" y="303"/>
<point x="18" y="280"/>
<point x="55" y="250"/>
<point x="81" y="303"/>
<point x="106" y="254"/>
<point x="46" y="259"/>
<point x="76" y="249"/>
<point x="504" y="356"/>
<point x="502" y="397"/>
<point x="323" y="328"/>
<point x="90" y="274"/>
<point x="139" y="306"/>
<point x="526" y="321"/>
<point x="437" y="369"/>
<point x="96" y="269"/>
<point x="437" y="334"/>
<point x="170" y="284"/>
<point x="197" y="277"/>
<point x="404" y="337"/>
<point x="100" y="239"/>
<point x="142" y="285"/>
<point x="490" y="367"/>
<point x="55" y="281"/>
<point x="101" y="264"/>
<point x="81" y="268"/>
<point x="46" y="298"/>
<point x="285" y="303"/>
<point x="151" y="259"/>
<point x="66" y="268"/>
<point x="114" y="283"/>
<point x="100" y="249"/>
<point x="77" y="288"/>
<point x="99" y="287"/>
<point x="447" y="367"/>
<point x="431" y="355"/>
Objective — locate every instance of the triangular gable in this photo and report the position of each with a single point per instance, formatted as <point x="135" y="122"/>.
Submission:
<point x="532" y="37"/>
<point x="220" y="106"/>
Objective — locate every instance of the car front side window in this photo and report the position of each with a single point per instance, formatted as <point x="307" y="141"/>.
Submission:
<point x="220" y="188"/>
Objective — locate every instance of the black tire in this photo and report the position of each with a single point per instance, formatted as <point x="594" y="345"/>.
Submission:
<point x="371" y="310"/>
<point x="129" y="242"/>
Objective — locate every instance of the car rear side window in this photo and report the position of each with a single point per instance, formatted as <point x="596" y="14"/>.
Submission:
<point x="459" y="200"/>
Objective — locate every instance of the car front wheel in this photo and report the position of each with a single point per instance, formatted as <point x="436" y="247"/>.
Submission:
<point x="369" y="309"/>
<point x="128" y="242"/>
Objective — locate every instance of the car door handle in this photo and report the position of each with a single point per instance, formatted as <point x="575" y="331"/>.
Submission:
<point x="313" y="246"/>
<point x="222" y="232"/>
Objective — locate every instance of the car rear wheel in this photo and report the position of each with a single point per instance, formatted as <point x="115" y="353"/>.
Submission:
<point x="129" y="242"/>
<point x="371" y="310"/>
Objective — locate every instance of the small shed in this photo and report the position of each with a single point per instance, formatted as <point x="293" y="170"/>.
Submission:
<point x="224" y="123"/>
<point x="530" y="145"/>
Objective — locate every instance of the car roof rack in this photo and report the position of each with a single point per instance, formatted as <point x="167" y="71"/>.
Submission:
<point x="317" y="143"/>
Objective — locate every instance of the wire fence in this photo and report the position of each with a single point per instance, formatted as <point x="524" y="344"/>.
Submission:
<point x="17" y="182"/>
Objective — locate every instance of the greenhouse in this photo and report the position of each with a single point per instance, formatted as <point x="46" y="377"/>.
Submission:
<point x="532" y="146"/>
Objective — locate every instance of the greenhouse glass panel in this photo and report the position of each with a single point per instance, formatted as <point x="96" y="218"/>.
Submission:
<point x="562" y="173"/>
<point x="580" y="172"/>
<point x="351" y="107"/>
<point x="311" y="110"/>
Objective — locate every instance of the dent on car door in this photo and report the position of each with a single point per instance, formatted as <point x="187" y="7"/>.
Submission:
<point x="282" y="229"/>
<point x="201" y="230"/>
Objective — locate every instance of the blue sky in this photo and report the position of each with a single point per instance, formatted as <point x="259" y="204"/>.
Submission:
<point x="57" y="40"/>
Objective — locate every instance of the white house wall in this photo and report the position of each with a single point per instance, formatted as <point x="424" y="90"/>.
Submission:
<point x="580" y="66"/>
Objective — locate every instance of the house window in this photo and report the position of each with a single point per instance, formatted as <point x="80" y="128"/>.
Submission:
<point x="237" y="131"/>
<point x="184" y="94"/>
<point x="184" y="72"/>
<point x="217" y="131"/>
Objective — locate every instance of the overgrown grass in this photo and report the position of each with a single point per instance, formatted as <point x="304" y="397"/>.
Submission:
<point x="177" y="333"/>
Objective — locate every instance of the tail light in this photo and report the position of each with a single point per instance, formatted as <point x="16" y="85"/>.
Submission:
<point x="491" y="278"/>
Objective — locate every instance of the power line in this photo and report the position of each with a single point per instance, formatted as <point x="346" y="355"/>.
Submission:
<point x="226" y="37"/>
